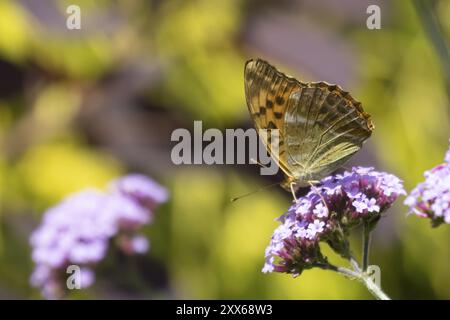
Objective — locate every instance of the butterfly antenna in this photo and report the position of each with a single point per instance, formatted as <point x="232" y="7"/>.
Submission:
<point x="255" y="191"/>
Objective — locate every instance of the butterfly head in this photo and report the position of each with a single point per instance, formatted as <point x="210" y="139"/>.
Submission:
<point x="290" y="183"/>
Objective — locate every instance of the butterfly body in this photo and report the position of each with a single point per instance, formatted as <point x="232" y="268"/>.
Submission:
<point x="320" y="125"/>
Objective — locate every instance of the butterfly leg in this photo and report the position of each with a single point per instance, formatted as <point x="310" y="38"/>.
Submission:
<point x="292" y="184"/>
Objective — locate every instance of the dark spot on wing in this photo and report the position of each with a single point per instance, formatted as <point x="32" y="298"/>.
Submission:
<point x="269" y="104"/>
<point x="278" y="115"/>
<point x="279" y="100"/>
<point x="262" y="110"/>
<point x="342" y="107"/>
<point x="271" y="125"/>
<point x="331" y="99"/>
<point x="324" y="109"/>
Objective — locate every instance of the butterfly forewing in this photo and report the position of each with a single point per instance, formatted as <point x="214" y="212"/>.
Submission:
<point x="267" y="91"/>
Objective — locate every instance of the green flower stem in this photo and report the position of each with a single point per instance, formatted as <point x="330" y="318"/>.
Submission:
<point x="366" y="246"/>
<point x="342" y="270"/>
<point x="426" y="10"/>
<point x="357" y="275"/>
<point x="354" y="263"/>
<point x="373" y="288"/>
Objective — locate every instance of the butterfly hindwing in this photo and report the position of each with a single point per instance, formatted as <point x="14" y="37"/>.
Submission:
<point x="324" y="127"/>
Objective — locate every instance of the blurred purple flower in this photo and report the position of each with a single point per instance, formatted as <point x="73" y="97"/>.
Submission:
<point x="142" y="189"/>
<point x="139" y="244"/>
<point x="431" y="198"/>
<point x="327" y="213"/>
<point x="78" y="231"/>
<point x="87" y="277"/>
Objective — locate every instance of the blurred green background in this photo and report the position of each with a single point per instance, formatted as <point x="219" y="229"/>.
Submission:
<point x="79" y="107"/>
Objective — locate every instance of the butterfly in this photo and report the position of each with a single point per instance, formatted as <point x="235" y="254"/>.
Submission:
<point x="320" y="126"/>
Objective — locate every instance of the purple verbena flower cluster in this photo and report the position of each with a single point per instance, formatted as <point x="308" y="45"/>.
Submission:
<point x="78" y="230"/>
<point x="431" y="198"/>
<point x="327" y="213"/>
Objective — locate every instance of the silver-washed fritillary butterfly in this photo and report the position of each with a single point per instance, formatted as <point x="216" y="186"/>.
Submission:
<point x="320" y="125"/>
